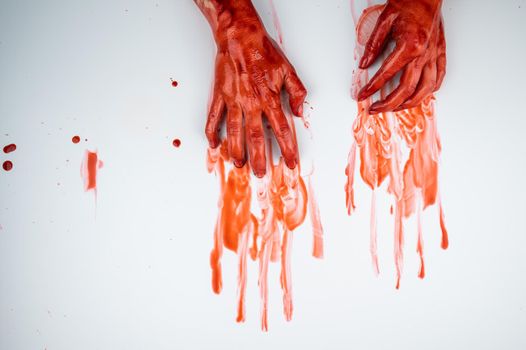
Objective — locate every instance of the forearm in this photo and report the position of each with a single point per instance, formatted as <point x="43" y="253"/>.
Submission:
<point x="231" y="19"/>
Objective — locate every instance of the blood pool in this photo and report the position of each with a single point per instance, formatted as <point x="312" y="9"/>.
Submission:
<point x="380" y="140"/>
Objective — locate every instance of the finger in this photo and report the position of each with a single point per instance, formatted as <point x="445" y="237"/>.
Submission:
<point x="281" y="128"/>
<point x="256" y="143"/>
<point x="236" y="142"/>
<point x="296" y="91"/>
<point x="407" y="86"/>
<point x="215" y="115"/>
<point x="441" y="58"/>
<point x="425" y="87"/>
<point x="378" y="38"/>
<point x="404" y="53"/>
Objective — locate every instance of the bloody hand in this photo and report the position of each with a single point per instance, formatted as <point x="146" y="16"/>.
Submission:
<point x="417" y="29"/>
<point x="250" y="71"/>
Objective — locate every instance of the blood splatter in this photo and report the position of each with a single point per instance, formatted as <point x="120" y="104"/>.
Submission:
<point x="9" y="148"/>
<point x="75" y="139"/>
<point x="7" y="165"/>
<point x="174" y="83"/>
<point x="176" y="143"/>
<point x="380" y="139"/>
<point x="89" y="170"/>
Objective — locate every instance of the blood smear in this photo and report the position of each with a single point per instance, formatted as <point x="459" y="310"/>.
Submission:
<point x="379" y="139"/>
<point x="283" y="200"/>
<point x="89" y="170"/>
<point x="7" y="165"/>
<point x="9" y="148"/>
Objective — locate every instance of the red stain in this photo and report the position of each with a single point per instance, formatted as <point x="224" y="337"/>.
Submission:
<point x="7" y="165"/>
<point x="380" y="139"/>
<point x="89" y="170"/>
<point x="283" y="199"/>
<point x="174" y="83"/>
<point x="176" y="143"/>
<point x="10" y="148"/>
<point x="75" y="139"/>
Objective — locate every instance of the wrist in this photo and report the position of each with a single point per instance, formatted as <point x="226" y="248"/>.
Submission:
<point x="231" y="19"/>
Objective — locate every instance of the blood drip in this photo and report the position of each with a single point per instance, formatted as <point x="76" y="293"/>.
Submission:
<point x="176" y="143"/>
<point x="10" y="148"/>
<point x="379" y="139"/>
<point x="89" y="170"/>
<point x="283" y="200"/>
<point x="7" y="165"/>
<point x="75" y="139"/>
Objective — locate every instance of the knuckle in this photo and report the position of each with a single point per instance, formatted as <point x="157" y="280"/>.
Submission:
<point x="283" y="130"/>
<point x="256" y="135"/>
<point x="233" y="127"/>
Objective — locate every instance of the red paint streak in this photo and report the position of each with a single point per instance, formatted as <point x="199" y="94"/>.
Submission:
<point x="283" y="200"/>
<point x="277" y="25"/>
<point x="380" y="139"/>
<point x="10" y="148"/>
<point x="89" y="170"/>
<point x="176" y="143"/>
<point x="317" y="228"/>
<point x="7" y="165"/>
<point x="75" y="139"/>
<point x="174" y="83"/>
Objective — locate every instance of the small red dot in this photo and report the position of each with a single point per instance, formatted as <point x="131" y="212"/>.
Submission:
<point x="176" y="142"/>
<point x="10" y="148"/>
<point x="174" y="83"/>
<point x="8" y="165"/>
<point x="75" y="139"/>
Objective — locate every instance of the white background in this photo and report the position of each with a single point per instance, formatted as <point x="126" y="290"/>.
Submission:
<point x="132" y="271"/>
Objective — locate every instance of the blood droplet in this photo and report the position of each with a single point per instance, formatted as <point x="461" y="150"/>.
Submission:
<point x="10" y="148"/>
<point x="176" y="143"/>
<point x="174" y="83"/>
<point x="75" y="139"/>
<point x="7" y="165"/>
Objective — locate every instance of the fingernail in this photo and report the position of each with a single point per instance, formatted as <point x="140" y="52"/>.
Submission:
<point x="364" y="62"/>
<point x="259" y="173"/>
<point x="362" y="95"/>
<point x="291" y="163"/>
<point x="239" y="163"/>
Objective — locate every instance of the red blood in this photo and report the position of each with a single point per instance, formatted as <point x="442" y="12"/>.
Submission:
<point x="90" y="167"/>
<point x="176" y="143"/>
<point x="8" y="165"/>
<point x="9" y="148"/>
<point x="174" y="83"/>
<point x="75" y="139"/>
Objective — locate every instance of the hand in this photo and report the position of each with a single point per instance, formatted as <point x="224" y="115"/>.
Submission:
<point x="250" y="71"/>
<point x="417" y="29"/>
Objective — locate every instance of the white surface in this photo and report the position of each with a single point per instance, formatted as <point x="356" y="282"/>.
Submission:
<point x="133" y="272"/>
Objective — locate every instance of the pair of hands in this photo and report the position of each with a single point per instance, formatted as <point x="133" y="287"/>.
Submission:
<point x="251" y="70"/>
